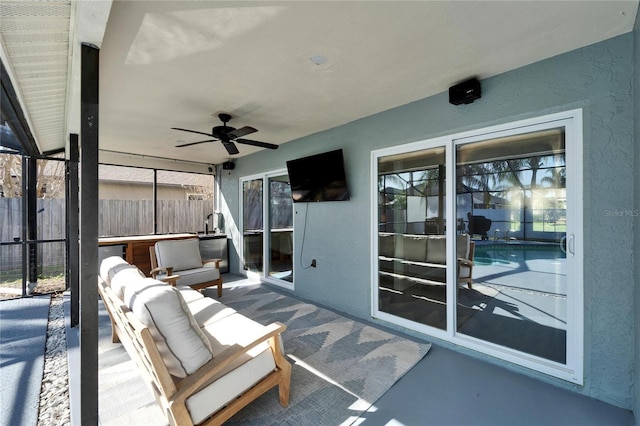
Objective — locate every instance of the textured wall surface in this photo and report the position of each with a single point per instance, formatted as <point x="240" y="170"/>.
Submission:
<point x="597" y="78"/>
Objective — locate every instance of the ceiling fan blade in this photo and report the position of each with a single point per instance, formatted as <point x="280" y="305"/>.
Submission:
<point x="231" y="147"/>
<point x="193" y="131"/>
<point x="195" y="143"/>
<point x="243" y="131"/>
<point x="257" y="143"/>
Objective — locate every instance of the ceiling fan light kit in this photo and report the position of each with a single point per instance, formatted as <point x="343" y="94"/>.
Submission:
<point x="227" y="135"/>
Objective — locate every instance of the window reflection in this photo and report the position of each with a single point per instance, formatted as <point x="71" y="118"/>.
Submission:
<point x="281" y="227"/>
<point x="511" y="198"/>
<point x="252" y="225"/>
<point x="412" y="244"/>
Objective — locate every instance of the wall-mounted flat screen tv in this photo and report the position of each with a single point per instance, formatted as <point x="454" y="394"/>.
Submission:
<point x="318" y="177"/>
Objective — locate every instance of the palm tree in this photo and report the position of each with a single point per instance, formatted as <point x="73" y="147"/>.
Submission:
<point x="557" y="177"/>
<point x="481" y="177"/>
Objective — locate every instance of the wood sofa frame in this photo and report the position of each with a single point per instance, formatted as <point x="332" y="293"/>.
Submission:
<point x="172" y="394"/>
<point x="155" y="269"/>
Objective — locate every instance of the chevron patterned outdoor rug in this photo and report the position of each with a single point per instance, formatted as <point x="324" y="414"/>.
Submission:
<point x="340" y="366"/>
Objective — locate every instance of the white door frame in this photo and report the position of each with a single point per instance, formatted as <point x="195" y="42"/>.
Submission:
<point x="264" y="276"/>
<point x="571" y="120"/>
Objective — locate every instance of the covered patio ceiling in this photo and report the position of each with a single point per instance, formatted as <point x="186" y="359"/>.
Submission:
<point x="289" y="69"/>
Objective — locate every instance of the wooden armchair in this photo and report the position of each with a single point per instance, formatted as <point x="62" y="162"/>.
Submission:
<point x="179" y="262"/>
<point x="465" y="249"/>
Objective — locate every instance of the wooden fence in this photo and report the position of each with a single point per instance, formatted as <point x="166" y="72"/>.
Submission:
<point x="116" y="218"/>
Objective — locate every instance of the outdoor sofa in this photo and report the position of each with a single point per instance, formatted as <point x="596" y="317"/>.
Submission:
<point x="411" y="259"/>
<point x="203" y="361"/>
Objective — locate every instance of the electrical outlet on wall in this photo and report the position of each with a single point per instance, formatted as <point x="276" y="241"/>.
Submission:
<point x="313" y="263"/>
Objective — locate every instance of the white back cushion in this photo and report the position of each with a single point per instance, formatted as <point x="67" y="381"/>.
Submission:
<point x="110" y="266"/>
<point x="179" y="254"/>
<point x="415" y="248"/>
<point x="437" y="249"/>
<point x="125" y="277"/>
<point x="183" y="346"/>
<point x="386" y="244"/>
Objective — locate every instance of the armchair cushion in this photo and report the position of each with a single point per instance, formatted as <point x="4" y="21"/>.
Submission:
<point x="464" y="271"/>
<point x="182" y="345"/>
<point x="462" y="246"/>
<point x="195" y="276"/>
<point x="179" y="254"/>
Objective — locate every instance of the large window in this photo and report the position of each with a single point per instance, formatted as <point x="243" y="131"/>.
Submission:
<point x="184" y="202"/>
<point x="478" y="241"/>
<point x="125" y="201"/>
<point x="129" y="204"/>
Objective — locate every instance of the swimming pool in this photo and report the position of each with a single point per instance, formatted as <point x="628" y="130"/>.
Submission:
<point x="492" y="253"/>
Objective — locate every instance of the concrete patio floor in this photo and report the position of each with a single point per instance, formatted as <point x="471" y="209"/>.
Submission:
<point x="444" y="388"/>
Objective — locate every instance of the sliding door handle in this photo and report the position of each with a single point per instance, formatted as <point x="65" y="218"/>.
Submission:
<point x="571" y="244"/>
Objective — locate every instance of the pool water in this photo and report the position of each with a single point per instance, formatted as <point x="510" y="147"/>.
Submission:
<point x="506" y="253"/>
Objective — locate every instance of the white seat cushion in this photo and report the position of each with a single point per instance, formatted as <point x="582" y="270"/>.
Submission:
<point x="208" y="310"/>
<point x="182" y="345"/>
<point x="232" y="329"/>
<point x="195" y="276"/>
<point x="254" y="365"/>
<point x="179" y="254"/>
<point x="239" y="375"/>
<point x="188" y="294"/>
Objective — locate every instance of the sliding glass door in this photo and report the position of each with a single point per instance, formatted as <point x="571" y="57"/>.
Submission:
<point x="267" y="224"/>
<point x="511" y="195"/>
<point x="280" y="247"/>
<point x="477" y="241"/>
